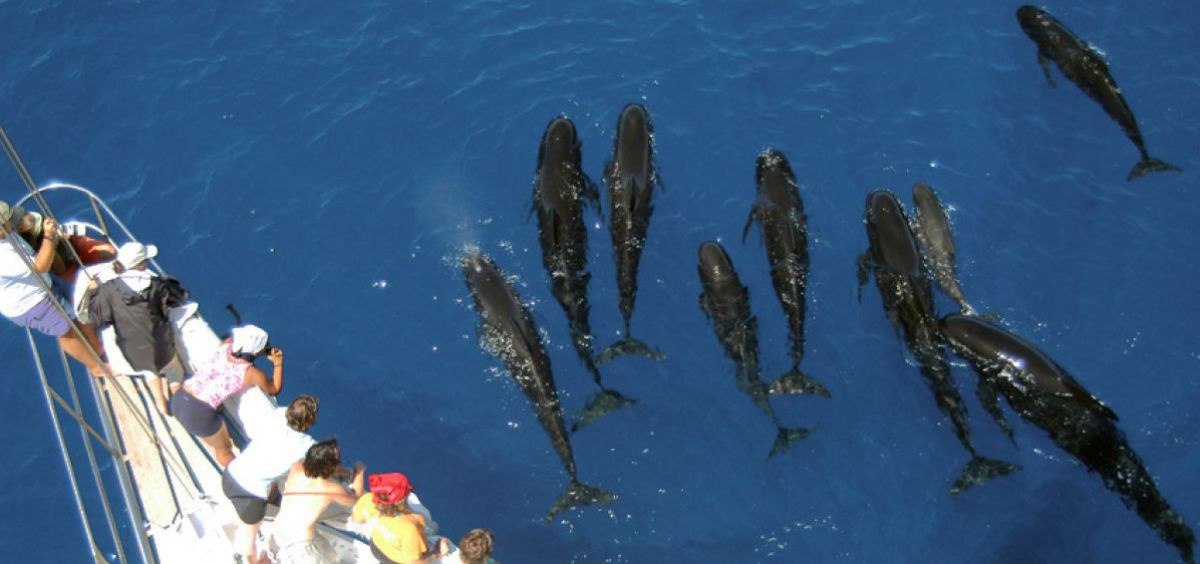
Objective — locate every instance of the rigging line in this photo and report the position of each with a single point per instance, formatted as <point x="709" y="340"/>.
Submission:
<point x="13" y="156"/>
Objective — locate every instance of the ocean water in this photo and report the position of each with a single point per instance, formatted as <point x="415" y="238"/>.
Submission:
<point x="322" y="166"/>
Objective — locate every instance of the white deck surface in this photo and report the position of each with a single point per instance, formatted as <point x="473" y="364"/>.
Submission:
<point x="188" y="517"/>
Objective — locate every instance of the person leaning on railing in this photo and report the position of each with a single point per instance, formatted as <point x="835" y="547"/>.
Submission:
<point x="24" y="301"/>
<point x="397" y="532"/>
<point x="28" y="224"/>
<point x="230" y="370"/>
<point x="312" y="485"/>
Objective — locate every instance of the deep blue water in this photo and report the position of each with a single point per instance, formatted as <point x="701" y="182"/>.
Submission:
<point x="289" y="157"/>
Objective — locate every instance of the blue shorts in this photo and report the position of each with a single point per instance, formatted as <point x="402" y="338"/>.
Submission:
<point x="44" y="318"/>
<point x="197" y="417"/>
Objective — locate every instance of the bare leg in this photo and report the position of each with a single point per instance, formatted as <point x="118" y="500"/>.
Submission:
<point x="160" y="395"/>
<point x="221" y="445"/>
<point x="244" y="541"/>
<point x="76" y="349"/>
<point x="90" y="333"/>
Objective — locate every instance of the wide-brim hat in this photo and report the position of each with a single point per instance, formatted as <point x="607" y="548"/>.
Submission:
<point x="249" y="339"/>
<point x="133" y="253"/>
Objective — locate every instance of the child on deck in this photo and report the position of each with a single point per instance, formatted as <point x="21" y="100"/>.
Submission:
<point x="397" y="532"/>
<point x="474" y="548"/>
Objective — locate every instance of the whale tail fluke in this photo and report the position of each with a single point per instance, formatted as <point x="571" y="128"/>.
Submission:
<point x="796" y="382"/>
<point x="628" y="346"/>
<point x="577" y="495"/>
<point x="1151" y="164"/>
<point x="785" y="438"/>
<point x="978" y="471"/>
<point x="600" y="404"/>
<point x="1173" y="528"/>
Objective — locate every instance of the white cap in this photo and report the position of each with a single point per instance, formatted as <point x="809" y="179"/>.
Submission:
<point x="249" y="339"/>
<point x="134" y="253"/>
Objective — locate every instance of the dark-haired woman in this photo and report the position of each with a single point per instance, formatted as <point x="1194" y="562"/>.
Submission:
<point x="312" y="485"/>
<point x="230" y="371"/>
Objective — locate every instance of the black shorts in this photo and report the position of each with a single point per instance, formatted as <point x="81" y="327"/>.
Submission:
<point x="250" y="508"/>
<point x="196" y="416"/>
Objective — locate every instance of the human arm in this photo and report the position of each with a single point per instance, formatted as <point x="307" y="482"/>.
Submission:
<point x="256" y="377"/>
<point x="436" y="553"/>
<point x="44" y="260"/>
<point x="350" y="496"/>
<point x="99" y="308"/>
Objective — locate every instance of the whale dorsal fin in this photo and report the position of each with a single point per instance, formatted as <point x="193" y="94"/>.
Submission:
<point x="555" y="224"/>
<point x="520" y="334"/>
<point x="1081" y="395"/>
<point x="1100" y="56"/>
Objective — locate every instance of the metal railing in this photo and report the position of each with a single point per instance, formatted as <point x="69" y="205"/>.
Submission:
<point x="109" y="439"/>
<point x="178" y="470"/>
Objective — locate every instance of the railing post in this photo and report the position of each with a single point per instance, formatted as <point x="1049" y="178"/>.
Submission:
<point x="62" y="443"/>
<point x="91" y="455"/>
<point x="132" y="502"/>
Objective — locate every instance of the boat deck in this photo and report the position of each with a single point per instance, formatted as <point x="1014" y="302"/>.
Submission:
<point x="178" y="483"/>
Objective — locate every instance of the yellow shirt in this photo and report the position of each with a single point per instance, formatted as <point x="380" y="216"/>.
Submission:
<point x="401" y="538"/>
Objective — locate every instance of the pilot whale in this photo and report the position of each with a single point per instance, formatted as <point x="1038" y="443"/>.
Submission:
<point x="560" y="190"/>
<point x="1084" y="66"/>
<point x="908" y="301"/>
<point x="1044" y="394"/>
<point x="726" y="302"/>
<point x="933" y="231"/>
<point x="779" y="212"/>
<point x="507" y="331"/>
<point x="631" y="180"/>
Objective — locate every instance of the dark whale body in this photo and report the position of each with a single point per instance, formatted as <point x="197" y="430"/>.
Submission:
<point x="631" y="181"/>
<point x="726" y="302"/>
<point x="560" y="191"/>
<point x="1044" y="394"/>
<point x="507" y="330"/>
<point x="899" y="271"/>
<point x="779" y="212"/>
<point x="1081" y="64"/>
<point x="933" y="231"/>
